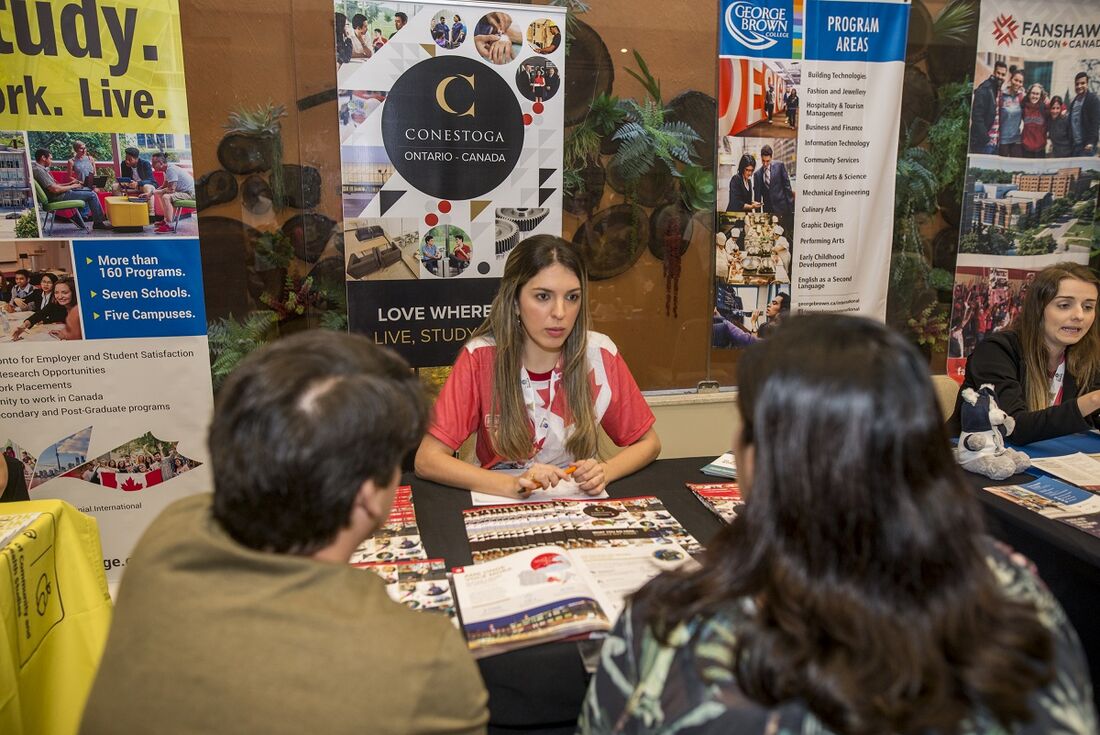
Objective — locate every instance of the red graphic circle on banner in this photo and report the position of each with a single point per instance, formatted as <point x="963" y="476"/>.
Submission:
<point x="444" y="206"/>
<point x="538" y="108"/>
<point x="527" y="119"/>
<point x="431" y="220"/>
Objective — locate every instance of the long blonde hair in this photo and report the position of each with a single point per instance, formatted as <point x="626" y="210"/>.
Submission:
<point x="1082" y="359"/>
<point x="511" y="436"/>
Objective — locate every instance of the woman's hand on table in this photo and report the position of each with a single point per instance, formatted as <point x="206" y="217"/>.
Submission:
<point x="544" y="475"/>
<point x="18" y="334"/>
<point x="590" y="476"/>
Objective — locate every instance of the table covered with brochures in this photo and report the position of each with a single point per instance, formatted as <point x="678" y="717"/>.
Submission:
<point x="542" y="687"/>
<point x="1068" y="558"/>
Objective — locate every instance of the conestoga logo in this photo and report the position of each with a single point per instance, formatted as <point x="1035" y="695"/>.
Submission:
<point x="756" y="27"/>
<point x="1005" y="29"/>
<point x="452" y="128"/>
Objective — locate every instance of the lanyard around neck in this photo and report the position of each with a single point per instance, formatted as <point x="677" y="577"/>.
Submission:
<point x="1054" y="393"/>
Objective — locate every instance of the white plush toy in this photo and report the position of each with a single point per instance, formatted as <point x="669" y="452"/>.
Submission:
<point x="984" y="428"/>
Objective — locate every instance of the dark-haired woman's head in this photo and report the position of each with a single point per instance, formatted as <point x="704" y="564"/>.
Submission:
<point x="746" y="164"/>
<point x="859" y="545"/>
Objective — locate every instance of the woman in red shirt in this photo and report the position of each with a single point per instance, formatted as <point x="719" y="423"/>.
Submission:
<point x="1036" y="115"/>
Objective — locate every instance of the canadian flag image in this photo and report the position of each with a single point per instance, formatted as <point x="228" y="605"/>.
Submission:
<point x="130" y="481"/>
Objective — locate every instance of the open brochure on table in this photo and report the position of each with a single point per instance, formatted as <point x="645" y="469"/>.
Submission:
<point x="1080" y="469"/>
<point x="1057" y="500"/>
<point x="549" y="593"/>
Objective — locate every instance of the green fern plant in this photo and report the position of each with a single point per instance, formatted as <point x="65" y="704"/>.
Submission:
<point x="273" y="250"/>
<point x="230" y="341"/>
<point x="646" y="138"/>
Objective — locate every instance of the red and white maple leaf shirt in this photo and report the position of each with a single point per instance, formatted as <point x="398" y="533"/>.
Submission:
<point x="464" y="406"/>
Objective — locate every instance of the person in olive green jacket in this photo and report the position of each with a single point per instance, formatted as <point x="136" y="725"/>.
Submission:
<point x="239" y="613"/>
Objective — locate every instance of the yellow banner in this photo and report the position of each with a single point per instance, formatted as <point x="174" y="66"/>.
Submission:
<point x="92" y="65"/>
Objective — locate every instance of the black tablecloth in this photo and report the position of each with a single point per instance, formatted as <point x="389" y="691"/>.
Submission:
<point x="543" y="687"/>
<point x="1068" y="560"/>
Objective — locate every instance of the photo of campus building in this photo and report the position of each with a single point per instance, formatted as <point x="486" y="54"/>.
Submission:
<point x="1028" y="207"/>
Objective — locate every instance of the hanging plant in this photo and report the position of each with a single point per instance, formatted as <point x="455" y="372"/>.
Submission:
<point x="254" y="143"/>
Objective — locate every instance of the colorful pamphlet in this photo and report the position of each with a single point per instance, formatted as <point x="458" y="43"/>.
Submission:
<point x="721" y="498"/>
<point x="398" y="539"/>
<point x="423" y="584"/>
<point x="1081" y="469"/>
<point x="724" y="466"/>
<point x="1056" y="500"/>
<point x="549" y="593"/>
<point x="497" y="531"/>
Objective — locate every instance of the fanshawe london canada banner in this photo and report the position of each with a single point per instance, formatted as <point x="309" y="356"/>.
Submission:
<point x="1033" y="175"/>
<point x="451" y="125"/>
<point x="809" y="107"/>
<point x="104" y="365"/>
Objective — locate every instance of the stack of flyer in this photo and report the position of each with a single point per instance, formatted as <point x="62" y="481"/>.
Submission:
<point x="1081" y="469"/>
<point x="398" y="539"/>
<point x="1055" y="499"/>
<point x="721" y="498"/>
<point x="724" y="466"/>
<point x="497" y="531"/>
<point x="421" y="584"/>
<point x="550" y="593"/>
<point x="396" y="554"/>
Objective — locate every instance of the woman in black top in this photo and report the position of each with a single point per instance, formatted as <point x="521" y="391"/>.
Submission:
<point x="742" y="197"/>
<point x="1045" y="369"/>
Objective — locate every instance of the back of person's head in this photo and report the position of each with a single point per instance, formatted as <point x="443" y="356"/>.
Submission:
<point x="860" y="545"/>
<point x="526" y="261"/>
<point x="41" y="154"/>
<point x="298" y="428"/>
<point x="1082" y="358"/>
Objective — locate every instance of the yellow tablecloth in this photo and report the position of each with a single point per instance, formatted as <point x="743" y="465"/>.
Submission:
<point x="56" y="612"/>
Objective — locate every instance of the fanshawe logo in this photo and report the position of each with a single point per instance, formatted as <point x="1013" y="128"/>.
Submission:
<point x="1005" y="29"/>
<point x="757" y="27"/>
<point x="452" y="127"/>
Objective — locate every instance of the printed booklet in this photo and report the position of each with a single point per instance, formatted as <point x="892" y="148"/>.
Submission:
<point x="721" y="498"/>
<point x="1081" y="469"/>
<point x="550" y="593"/>
<point x="496" y="531"/>
<point x="422" y="584"/>
<point x="1057" y="500"/>
<point x="724" y="466"/>
<point x="399" y="537"/>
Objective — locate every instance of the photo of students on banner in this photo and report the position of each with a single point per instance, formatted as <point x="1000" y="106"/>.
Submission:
<point x="39" y="303"/>
<point x="89" y="184"/>
<point x="139" y="463"/>
<point x="1036" y="109"/>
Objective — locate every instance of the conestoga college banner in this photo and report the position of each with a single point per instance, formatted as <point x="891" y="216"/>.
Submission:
<point x="1032" y="176"/>
<point x="809" y="108"/>
<point x="451" y="143"/>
